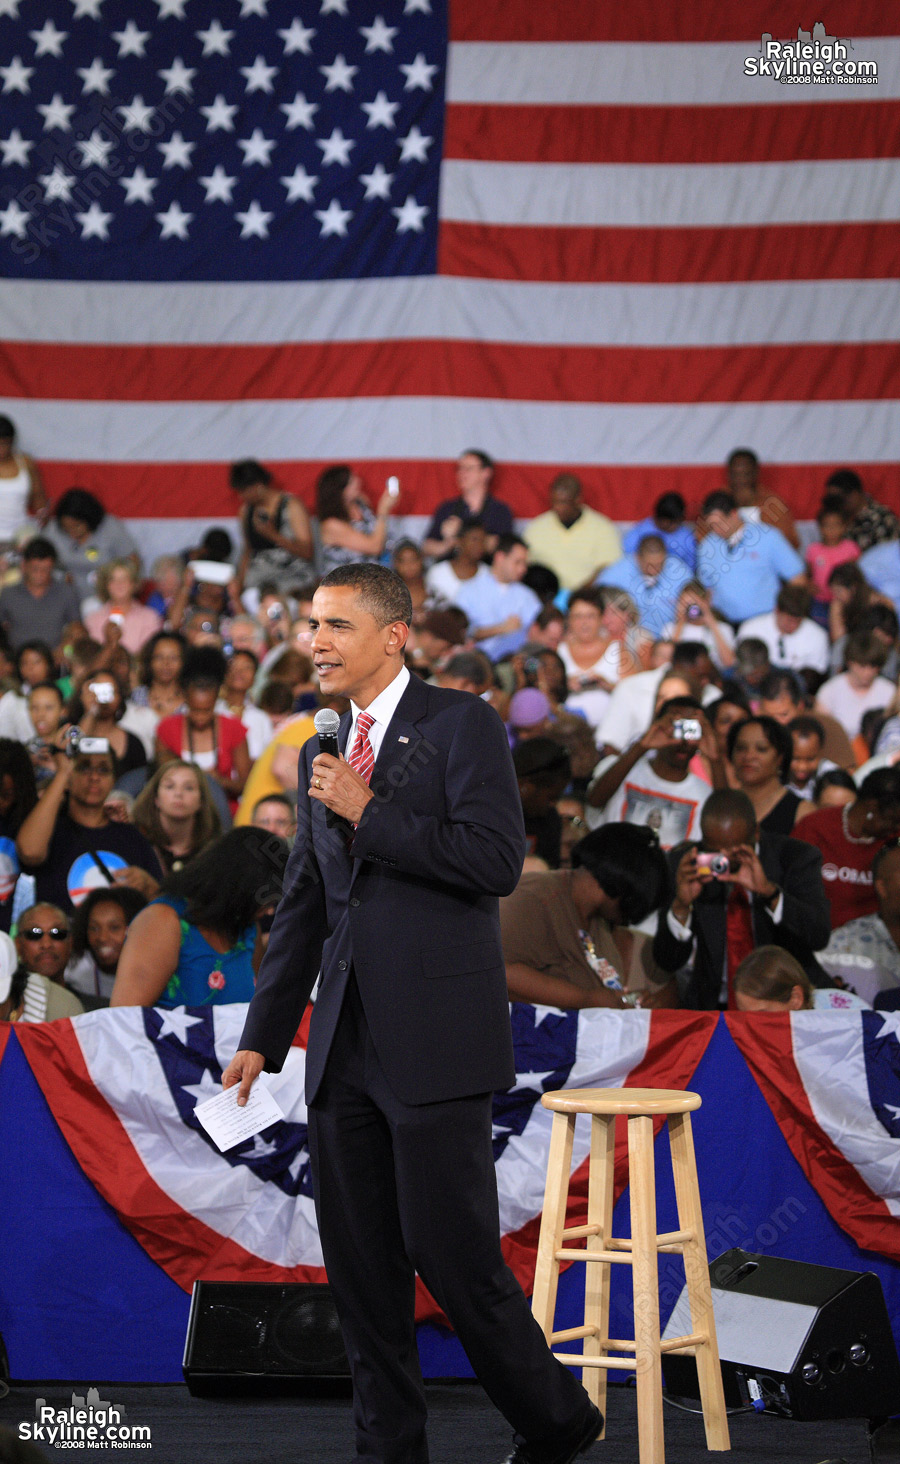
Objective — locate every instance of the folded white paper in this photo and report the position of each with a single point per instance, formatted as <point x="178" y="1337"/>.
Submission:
<point x="228" y="1125"/>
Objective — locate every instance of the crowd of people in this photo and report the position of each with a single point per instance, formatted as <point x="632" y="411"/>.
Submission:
<point x="703" y="716"/>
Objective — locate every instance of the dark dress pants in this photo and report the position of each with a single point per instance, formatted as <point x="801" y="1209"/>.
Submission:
<point x="401" y="1189"/>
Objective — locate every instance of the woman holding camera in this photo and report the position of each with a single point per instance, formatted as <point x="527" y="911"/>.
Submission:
<point x="760" y="751"/>
<point x="122" y="619"/>
<point x="97" y="710"/>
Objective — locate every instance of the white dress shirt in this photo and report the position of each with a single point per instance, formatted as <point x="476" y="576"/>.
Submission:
<point x="382" y="709"/>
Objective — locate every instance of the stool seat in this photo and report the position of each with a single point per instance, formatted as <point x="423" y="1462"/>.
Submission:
<point x="594" y="1245"/>
<point x="621" y="1100"/>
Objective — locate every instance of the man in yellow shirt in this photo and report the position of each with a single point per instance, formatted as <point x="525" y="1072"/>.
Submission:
<point x="571" y="539"/>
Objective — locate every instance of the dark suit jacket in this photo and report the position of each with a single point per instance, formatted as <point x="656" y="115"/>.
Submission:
<point x="411" y="905"/>
<point x="805" y="925"/>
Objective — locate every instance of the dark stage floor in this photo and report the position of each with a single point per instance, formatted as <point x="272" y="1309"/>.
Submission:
<point x="463" y="1427"/>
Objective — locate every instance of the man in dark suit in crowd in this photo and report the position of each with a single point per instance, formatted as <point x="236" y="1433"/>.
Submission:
<point x="771" y="894"/>
<point x="398" y="905"/>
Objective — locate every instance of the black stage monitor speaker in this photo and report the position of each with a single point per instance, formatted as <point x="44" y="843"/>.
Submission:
<point x="805" y="1342"/>
<point x="263" y="1337"/>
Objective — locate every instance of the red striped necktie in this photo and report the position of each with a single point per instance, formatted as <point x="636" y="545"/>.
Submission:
<point x="362" y="756"/>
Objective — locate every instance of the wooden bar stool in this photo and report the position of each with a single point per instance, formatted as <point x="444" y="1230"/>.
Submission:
<point x="639" y="1106"/>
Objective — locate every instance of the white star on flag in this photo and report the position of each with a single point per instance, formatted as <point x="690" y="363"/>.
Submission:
<point x="530" y="1082"/>
<point x="259" y="75"/>
<point x="219" y="115"/>
<point x="334" y="7"/>
<point x="48" y="41"/>
<point x="297" y="38"/>
<point x="132" y="42"/>
<point x="414" y="146"/>
<point x="57" y="184"/>
<point x="177" y="151"/>
<point x="300" y="184"/>
<point x="378" y="35"/>
<point x="10" y="8"/>
<point x="96" y="77"/>
<point x="253" y="7"/>
<point x="424" y="6"/>
<point x="89" y="8"/>
<point x="336" y="148"/>
<point x="893" y="1110"/>
<point x="136" y="116"/>
<point x="139" y="188"/>
<point x="171" y="8"/>
<point x="418" y="74"/>
<point x="256" y="148"/>
<point x="333" y="219"/>
<point x="339" y="76"/>
<point x="174" y="222"/>
<point x="254" y="222"/>
<point x="15" y="149"/>
<point x="57" y="113"/>
<point x="215" y="40"/>
<point x="207" y="1086"/>
<point x="410" y="216"/>
<point x="94" y="223"/>
<point x="381" y="111"/>
<point x="95" y="149"/>
<point x="219" y="187"/>
<point x="13" y="219"/>
<point x="15" y="76"/>
<point x="178" y="1021"/>
<point x="299" y="112"/>
<point x="378" y="182"/>
<point x="178" y="77"/>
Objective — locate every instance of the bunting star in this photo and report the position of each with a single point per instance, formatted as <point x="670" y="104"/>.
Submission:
<point x="88" y="8"/>
<point x="333" y="219"/>
<point x="173" y="9"/>
<point x="95" y="149"/>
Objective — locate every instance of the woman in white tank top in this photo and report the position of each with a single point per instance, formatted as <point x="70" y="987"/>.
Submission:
<point x="22" y="493"/>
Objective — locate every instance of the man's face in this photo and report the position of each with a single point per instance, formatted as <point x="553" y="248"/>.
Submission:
<point x="566" y="504"/>
<point x="862" y="677"/>
<point x="723" y="524"/>
<point x="44" y="942"/>
<point x="782" y="708"/>
<point x="650" y="563"/>
<point x="276" y="817"/>
<point x="472" y="544"/>
<point x="723" y="836"/>
<point x="353" y="654"/>
<point x="806" y="759"/>
<point x="787" y="624"/>
<point x="509" y="568"/>
<point x="742" y="479"/>
<point x="540" y="794"/>
<point x="37" y="573"/>
<point x="471" y="475"/>
<point x="92" y="779"/>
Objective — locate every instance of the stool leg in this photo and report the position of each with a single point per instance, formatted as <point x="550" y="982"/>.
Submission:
<point x="553" y="1219"/>
<point x="696" y="1270"/>
<point x="598" y="1274"/>
<point x="646" y="1289"/>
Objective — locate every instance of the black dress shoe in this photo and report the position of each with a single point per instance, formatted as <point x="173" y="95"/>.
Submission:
<point x="563" y="1450"/>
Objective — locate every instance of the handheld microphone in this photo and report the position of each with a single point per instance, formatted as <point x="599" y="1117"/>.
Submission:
<point x="326" y="723"/>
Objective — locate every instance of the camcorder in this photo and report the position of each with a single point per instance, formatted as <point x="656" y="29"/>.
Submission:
<point x="77" y="745"/>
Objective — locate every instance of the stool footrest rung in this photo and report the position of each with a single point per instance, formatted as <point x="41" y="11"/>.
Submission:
<point x="586" y="1255"/>
<point x="573" y="1334"/>
<point x="577" y="1359"/>
<point x="580" y="1232"/>
<point x="687" y="1344"/>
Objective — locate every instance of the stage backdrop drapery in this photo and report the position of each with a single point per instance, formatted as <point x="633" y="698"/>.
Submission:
<point x="116" y="1201"/>
<point x="578" y="236"/>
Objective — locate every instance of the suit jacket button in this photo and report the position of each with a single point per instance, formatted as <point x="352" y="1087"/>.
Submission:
<point x="354" y="902"/>
<point x="342" y="965"/>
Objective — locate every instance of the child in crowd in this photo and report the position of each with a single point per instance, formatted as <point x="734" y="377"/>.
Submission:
<point x="833" y="549"/>
<point x="859" y="688"/>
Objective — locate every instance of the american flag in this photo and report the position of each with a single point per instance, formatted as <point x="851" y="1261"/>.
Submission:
<point x="577" y="236"/>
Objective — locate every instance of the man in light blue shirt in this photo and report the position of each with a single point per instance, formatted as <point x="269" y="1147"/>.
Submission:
<point x="881" y="567"/>
<point x="653" y="579"/>
<point x="743" y="564"/>
<point x="500" y="608"/>
<point x="668" y="522"/>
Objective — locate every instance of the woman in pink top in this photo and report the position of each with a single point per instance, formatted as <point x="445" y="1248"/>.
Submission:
<point x="123" y="617"/>
<point x="834" y="549"/>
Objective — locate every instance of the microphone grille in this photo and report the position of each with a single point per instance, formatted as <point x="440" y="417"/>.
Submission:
<point x="326" y="722"/>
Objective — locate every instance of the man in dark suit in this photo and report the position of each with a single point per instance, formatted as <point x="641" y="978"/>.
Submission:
<point x="398" y="905"/>
<point x="771" y="894"/>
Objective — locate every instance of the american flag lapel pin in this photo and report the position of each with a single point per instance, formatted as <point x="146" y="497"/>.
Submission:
<point x="402" y="739"/>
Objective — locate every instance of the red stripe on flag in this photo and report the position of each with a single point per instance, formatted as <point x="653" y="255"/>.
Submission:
<point x="658" y="20"/>
<point x="200" y="490"/>
<point x="436" y="368"/>
<point x="580" y="254"/>
<point x="764" y="1042"/>
<point x="585" y="134"/>
<point x="185" y="1248"/>
<point x="674" y="1050"/>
